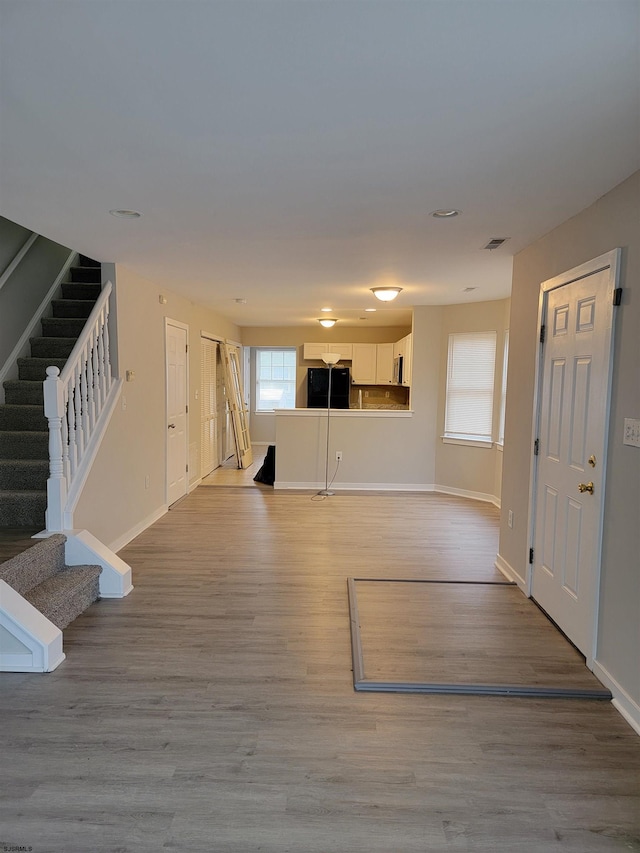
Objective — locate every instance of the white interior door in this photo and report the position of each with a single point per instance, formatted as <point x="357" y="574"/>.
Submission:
<point x="225" y="432"/>
<point x="208" y="407"/>
<point x="574" y="406"/>
<point x="176" y="367"/>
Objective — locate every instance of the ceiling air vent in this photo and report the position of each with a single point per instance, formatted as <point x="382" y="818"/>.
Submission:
<point x="495" y="243"/>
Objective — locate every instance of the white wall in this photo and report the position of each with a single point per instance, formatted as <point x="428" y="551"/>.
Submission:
<point x="115" y="501"/>
<point x="613" y="221"/>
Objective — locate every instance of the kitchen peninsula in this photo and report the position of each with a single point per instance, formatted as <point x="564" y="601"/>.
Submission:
<point x="367" y="438"/>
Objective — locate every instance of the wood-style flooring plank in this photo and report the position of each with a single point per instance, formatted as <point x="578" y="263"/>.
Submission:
<point x="213" y="708"/>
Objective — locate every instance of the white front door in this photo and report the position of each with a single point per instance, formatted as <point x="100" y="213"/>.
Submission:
<point x="176" y="422"/>
<point x="572" y="435"/>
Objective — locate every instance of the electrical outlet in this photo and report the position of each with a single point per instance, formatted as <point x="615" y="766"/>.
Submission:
<point x="510" y="518"/>
<point x="366" y="393"/>
<point x="386" y="394"/>
<point x="338" y="456"/>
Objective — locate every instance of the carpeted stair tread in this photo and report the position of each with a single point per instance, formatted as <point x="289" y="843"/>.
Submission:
<point x="86" y="274"/>
<point x="30" y="418"/>
<point x="62" y="327"/>
<point x="23" y="392"/>
<point x="54" y="347"/>
<point x="86" y="261"/>
<point x="23" y="475"/>
<point x="35" y="565"/>
<point x="23" y="509"/>
<point x="19" y="444"/>
<point x="63" y="597"/>
<point x="72" y="307"/>
<point x="82" y="290"/>
<point x="36" y="368"/>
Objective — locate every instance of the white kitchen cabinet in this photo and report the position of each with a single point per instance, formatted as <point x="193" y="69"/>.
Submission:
<point x="314" y="351"/>
<point x="407" y="361"/>
<point x="363" y="367"/>
<point x="384" y="364"/>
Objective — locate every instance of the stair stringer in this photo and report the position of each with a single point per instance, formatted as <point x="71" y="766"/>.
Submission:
<point x="82" y="548"/>
<point x="29" y="642"/>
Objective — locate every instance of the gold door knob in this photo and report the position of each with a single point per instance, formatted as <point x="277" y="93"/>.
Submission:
<point x="585" y="487"/>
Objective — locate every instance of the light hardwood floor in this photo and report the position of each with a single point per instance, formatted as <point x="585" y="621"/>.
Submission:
<point x="213" y="709"/>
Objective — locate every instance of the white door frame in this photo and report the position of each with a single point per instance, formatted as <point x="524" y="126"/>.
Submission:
<point x="169" y="322"/>
<point x="611" y="261"/>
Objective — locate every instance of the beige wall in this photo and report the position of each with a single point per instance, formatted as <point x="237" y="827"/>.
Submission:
<point x="115" y="501"/>
<point x="613" y="221"/>
<point x="464" y="468"/>
<point x="263" y="424"/>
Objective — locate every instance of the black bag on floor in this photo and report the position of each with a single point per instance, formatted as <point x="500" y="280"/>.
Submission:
<point x="267" y="474"/>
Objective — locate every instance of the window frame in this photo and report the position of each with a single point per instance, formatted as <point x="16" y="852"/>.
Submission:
<point x="256" y="383"/>
<point x="453" y="436"/>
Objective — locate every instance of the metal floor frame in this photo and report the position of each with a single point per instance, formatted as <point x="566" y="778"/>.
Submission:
<point x="362" y="685"/>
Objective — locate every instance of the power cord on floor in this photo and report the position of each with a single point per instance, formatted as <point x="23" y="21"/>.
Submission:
<point x="320" y="497"/>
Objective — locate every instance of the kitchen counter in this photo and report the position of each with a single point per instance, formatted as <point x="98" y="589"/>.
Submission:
<point x="390" y="411"/>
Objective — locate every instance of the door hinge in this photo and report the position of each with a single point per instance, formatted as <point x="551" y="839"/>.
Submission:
<point x="186" y="410"/>
<point x="187" y="468"/>
<point x="542" y="333"/>
<point x="536" y="447"/>
<point x="186" y="347"/>
<point x="530" y="555"/>
<point x="617" y="296"/>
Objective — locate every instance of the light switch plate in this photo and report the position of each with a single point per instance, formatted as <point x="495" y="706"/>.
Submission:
<point x="631" y="432"/>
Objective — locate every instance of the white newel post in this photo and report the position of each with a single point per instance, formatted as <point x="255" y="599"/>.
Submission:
<point x="57" y="483"/>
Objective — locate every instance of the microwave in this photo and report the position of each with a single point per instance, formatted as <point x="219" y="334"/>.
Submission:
<point x="397" y="370"/>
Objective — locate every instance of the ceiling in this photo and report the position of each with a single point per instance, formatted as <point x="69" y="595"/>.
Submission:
<point x="290" y="152"/>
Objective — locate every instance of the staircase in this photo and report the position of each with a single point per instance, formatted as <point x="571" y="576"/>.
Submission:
<point x="24" y="437"/>
<point x="59" y="592"/>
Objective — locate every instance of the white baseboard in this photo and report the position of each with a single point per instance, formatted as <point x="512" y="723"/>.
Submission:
<point x="194" y="485"/>
<point x="622" y="702"/>
<point x="139" y="528"/>
<point x="357" y="487"/>
<point x="510" y="573"/>
<point x="465" y="493"/>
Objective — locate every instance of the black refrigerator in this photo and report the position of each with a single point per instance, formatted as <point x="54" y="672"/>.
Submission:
<point x="318" y="387"/>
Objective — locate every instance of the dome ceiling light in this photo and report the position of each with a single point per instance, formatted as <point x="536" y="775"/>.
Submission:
<point x="327" y="322"/>
<point x="385" y="294"/>
<point x="445" y="213"/>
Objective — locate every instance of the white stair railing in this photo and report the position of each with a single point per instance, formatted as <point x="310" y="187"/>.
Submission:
<point x="74" y="402"/>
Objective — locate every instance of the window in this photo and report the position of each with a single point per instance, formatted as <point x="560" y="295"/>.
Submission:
<point x="275" y="379"/>
<point x="470" y="378"/>
<point x="503" y="400"/>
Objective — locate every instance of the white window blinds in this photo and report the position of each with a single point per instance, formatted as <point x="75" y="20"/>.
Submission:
<point x="470" y="379"/>
<point x="275" y="379"/>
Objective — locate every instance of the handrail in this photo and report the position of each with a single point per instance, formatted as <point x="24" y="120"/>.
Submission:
<point x="73" y="403"/>
<point x="17" y="258"/>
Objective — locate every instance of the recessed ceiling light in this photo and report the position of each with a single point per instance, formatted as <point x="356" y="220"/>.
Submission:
<point x="370" y="309"/>
<point x="126" y="214"/>
<point x="446" y="213"/>
<point x="327" y="322"/>
<point x="469" y="289"/>
<point x="327" y="309"/>
<point x="240" y="301"/>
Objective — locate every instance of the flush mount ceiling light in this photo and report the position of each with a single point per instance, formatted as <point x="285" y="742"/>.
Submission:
<point x="445" y="213"/>
<point x="385" y="294"/>
<point x="370" y="309"/>
<point x="327" y="310"/>
<point x="126" y="214"/>
<point x="327" y="322"/>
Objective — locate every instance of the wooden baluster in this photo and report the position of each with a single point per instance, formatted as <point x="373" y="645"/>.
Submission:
<point x="84" y="392"/>
<point x="95" y="368"/>
<point x="77" y="394"/>
<point x="71" y="420"/>
<point x="107" y="355"/>
<point x="56" y="484"/>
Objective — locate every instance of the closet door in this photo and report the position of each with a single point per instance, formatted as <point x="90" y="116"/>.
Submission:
<point x="208" y="407"/>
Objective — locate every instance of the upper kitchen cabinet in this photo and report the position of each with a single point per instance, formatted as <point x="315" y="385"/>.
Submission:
<point x="384" y="364"/>
<point x="314" y="351"/>
<point x="404" y="349"/>
<point x="363" y="367"/>
<point x="372" y="364"/>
